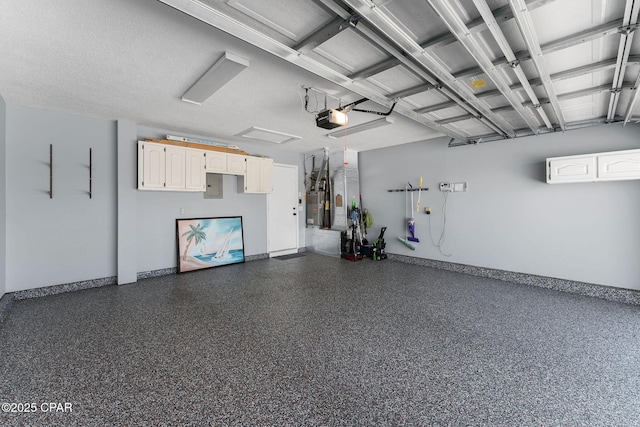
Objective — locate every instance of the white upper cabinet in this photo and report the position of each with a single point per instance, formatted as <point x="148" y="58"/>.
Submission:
<point x="175" y="168"/>
<point x="170" y="168"/>
<point x="610" y="166"/>
<point x="227" y="163"/>
<point x="258" y="176"/>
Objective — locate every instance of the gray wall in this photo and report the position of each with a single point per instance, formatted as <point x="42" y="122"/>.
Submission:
<point x="73" y="238"/>
<point x="3" y="200"/>
<point x="70" y="237"/>
<point x="510" y="219"/>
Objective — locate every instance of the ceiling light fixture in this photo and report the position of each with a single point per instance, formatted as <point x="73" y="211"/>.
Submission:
<point x="384" y="121"/>
<point x="267" y="135"/>
<point x="225" y="69"/>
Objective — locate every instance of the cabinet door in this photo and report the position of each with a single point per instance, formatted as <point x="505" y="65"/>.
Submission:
<point x="619" y="166"/>
<point x="258" y="176"/>
<point x="252" y="175"/>
<point x="175" y="173"/>
<point x="194" y="167"/>
<point x="216" y="162"/>
<point x="151" y="166"/>
<point x="266" y="175"/>
<point x="571" y="169"/>
<point x="236" y="164"/>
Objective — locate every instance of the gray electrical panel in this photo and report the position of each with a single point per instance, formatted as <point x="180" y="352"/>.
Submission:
<point x="214" y="186"/>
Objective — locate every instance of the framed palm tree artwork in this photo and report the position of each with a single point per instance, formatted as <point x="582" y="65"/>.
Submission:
<point x="209" y="242"/>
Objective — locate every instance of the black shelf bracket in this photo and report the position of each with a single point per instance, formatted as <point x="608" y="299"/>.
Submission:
<point x="51" y="171"/>
<point x="90" y="172"/>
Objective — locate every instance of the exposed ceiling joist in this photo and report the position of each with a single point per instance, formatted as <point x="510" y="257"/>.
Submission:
<point x="528" y="32"/>
<point x="585" y="92"/>
<point x="490" y="138"/>
<point x="544" y="101"/>
<point x="413" y="90"/>
<point x="422" y="72"/>
<point x="477" y="51"/>
<point x="634" y="100"/>
<point x="586" y="36"/>
<point x="503" y="14"/>
<point x="630" y="20"/>
<point x="505" y="47"/>
<point x="324" y="33"/>
<point x="567" y="74"/>
<point x="376" y="68"/>
<point x="607" y="29"/>
<point x="435" y="107"/>
<point x="455" y="119"/>
<point x="386" y="25"/>
<point x="586" y="69"/>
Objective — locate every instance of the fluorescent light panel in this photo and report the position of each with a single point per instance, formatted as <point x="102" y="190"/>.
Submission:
<point x="267" y="135"/>
<point x="350" y="130"/>
<point x="225" y="68"/>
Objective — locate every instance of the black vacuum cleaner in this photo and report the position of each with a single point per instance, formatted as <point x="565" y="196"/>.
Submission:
<point x="376" y="251"/>
<point x="379" y="245"/>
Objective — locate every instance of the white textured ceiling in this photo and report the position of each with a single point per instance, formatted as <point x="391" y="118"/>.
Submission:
<point x="133" y="60"/>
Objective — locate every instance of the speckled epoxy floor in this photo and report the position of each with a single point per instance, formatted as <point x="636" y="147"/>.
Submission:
<point x="319" y="341"/>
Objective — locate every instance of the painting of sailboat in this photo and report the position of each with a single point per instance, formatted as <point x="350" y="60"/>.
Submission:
<point x="209" y="242"/>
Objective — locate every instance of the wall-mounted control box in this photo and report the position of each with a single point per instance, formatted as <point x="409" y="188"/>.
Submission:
<point x="450" y="187"/>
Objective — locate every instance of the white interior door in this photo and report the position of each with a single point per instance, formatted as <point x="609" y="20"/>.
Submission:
<point x="282" y="211"/>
